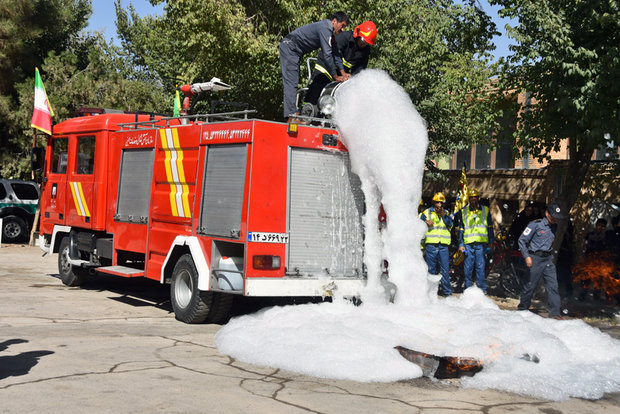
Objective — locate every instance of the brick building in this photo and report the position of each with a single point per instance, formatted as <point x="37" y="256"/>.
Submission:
<point x="508" y="184"/>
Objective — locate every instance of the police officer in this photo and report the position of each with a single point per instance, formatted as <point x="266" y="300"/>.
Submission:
<point x="535" y="244"/>
<point x="437" y="240"/>
<point x="475" y="235"/>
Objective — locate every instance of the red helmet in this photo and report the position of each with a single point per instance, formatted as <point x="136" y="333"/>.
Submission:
<point x="367" y="31"/>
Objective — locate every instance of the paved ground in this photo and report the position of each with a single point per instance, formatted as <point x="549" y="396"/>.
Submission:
<point x="114" y="346"/>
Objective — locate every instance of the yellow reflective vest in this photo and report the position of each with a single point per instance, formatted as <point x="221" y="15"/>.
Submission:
<point x="439" y="233"/>
<point x="475" y="225"/>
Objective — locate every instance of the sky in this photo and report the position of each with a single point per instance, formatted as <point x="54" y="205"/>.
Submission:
<point x="104" y="16"/>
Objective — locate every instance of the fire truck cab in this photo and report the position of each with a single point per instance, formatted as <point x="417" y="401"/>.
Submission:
<point x="212" y="207"/>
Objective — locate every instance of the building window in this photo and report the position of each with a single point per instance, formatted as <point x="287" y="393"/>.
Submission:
<point x="503" y="156"/>
<point x="483" y="157"/>
<point x="463" y="156"/>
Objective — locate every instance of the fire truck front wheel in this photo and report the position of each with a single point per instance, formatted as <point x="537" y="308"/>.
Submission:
<point x="190" y="305"/>
<point x="69" y="274"/>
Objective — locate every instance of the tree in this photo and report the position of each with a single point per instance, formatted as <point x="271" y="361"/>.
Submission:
<point x="91" y="73"/>
<point x="568" y="59"/>
<point x="29" y="30"/>
<point x="437" y="49"/>
<point x="78" y="69"/>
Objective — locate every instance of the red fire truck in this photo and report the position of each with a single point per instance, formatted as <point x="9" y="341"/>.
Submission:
<point x="213" y="207"/>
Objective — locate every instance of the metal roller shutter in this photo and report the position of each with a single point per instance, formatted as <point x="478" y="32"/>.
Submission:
<point x="325" y="209"/>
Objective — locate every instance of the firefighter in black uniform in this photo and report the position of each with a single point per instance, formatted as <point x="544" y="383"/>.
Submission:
<point x="353" y="47"/>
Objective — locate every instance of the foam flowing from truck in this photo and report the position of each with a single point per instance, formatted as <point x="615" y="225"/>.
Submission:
<point x="387" y="140"/>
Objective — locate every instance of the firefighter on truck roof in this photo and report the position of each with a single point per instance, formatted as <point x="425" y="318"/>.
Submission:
<point x="437" y="240"/>
<point x="354" y="49"/>
<point x="304" y="40"/>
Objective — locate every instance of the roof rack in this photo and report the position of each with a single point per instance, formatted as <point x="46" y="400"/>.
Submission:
<point x="183" y="120"/>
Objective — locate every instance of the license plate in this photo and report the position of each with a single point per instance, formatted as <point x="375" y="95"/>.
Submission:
<point x="258" y="237"/>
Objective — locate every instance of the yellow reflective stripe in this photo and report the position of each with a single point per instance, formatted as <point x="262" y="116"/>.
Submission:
<point x="78" y="198"/>
<point x="75" y="199"/>
<point x="181" y="172"/>
<point x="86" y="211"/>
<point x="347" y="64"/>
<point x="165" y="147"/>
<point x="175" y="172"/>
<point x="324" y="71"/>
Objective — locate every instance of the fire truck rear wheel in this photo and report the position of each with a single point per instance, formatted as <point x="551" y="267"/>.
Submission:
<point x="190" y="305"/>
<point x="69" y="274"/>
<point x="220" y="310"/>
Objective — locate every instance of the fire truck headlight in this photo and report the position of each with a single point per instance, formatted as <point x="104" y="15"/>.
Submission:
<point x="327" y="104"/>
<point x="265" y="262"/>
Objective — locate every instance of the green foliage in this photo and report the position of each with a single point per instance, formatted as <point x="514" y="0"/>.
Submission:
<point x="78" y="70"/>
<point x="436" y="49"/>
<point x="29" y="30"/>
<point x="568" y="59"/>
<point x="91" y="74"/>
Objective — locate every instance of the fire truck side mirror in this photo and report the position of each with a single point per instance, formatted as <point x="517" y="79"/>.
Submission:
<point x="37" y="159"/>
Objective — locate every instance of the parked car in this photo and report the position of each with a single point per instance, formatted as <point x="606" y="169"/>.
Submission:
<point x="18" y="203"/>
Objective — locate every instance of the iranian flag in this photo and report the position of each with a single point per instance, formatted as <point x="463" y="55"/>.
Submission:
<point x="42" y="113"/>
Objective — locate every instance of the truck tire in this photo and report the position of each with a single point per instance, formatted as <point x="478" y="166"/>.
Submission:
<point x="14" y="229"/>
<point x="220" y="309"/>
<point x="69" y="274"/>
<point x="190" y="305"/>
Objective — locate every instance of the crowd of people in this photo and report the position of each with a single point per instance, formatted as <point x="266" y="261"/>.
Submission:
<point x="532" y="231"/>
<point x="472" y="227"/>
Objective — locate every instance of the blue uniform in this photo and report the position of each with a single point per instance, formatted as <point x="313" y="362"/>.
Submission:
<point x="536" y="242"/>
<point x="438" y="252"/>
<point x="296" y="44"/>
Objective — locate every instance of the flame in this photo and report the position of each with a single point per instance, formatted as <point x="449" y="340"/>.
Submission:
<point x="599" y="272"/>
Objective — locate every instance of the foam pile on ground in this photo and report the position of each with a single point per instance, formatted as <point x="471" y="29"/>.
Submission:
<point x="341" y="341"/>
<point x="387" y="141"/>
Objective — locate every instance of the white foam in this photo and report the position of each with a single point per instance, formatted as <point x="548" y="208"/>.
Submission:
<point x="341" y="341"/>
<point x="387" y="141"/>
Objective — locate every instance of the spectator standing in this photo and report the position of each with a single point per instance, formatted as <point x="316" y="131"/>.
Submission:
<point x="475" y="235"/>
<point x="520" y="222"/>
<point x="437" y="240"/>
<point x="596" y="240"/>
<point x="536" y="244"/>
<point x="613" y="236"/>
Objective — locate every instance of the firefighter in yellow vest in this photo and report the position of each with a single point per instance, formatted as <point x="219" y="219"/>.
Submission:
<point x="475" y="236"/>
<point x="437" y="240"/>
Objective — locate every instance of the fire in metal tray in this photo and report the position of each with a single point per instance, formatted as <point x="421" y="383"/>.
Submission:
<point x="442" y="367"/>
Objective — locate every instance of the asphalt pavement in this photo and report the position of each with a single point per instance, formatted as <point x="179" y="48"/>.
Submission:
<point x="115" y="346"/>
